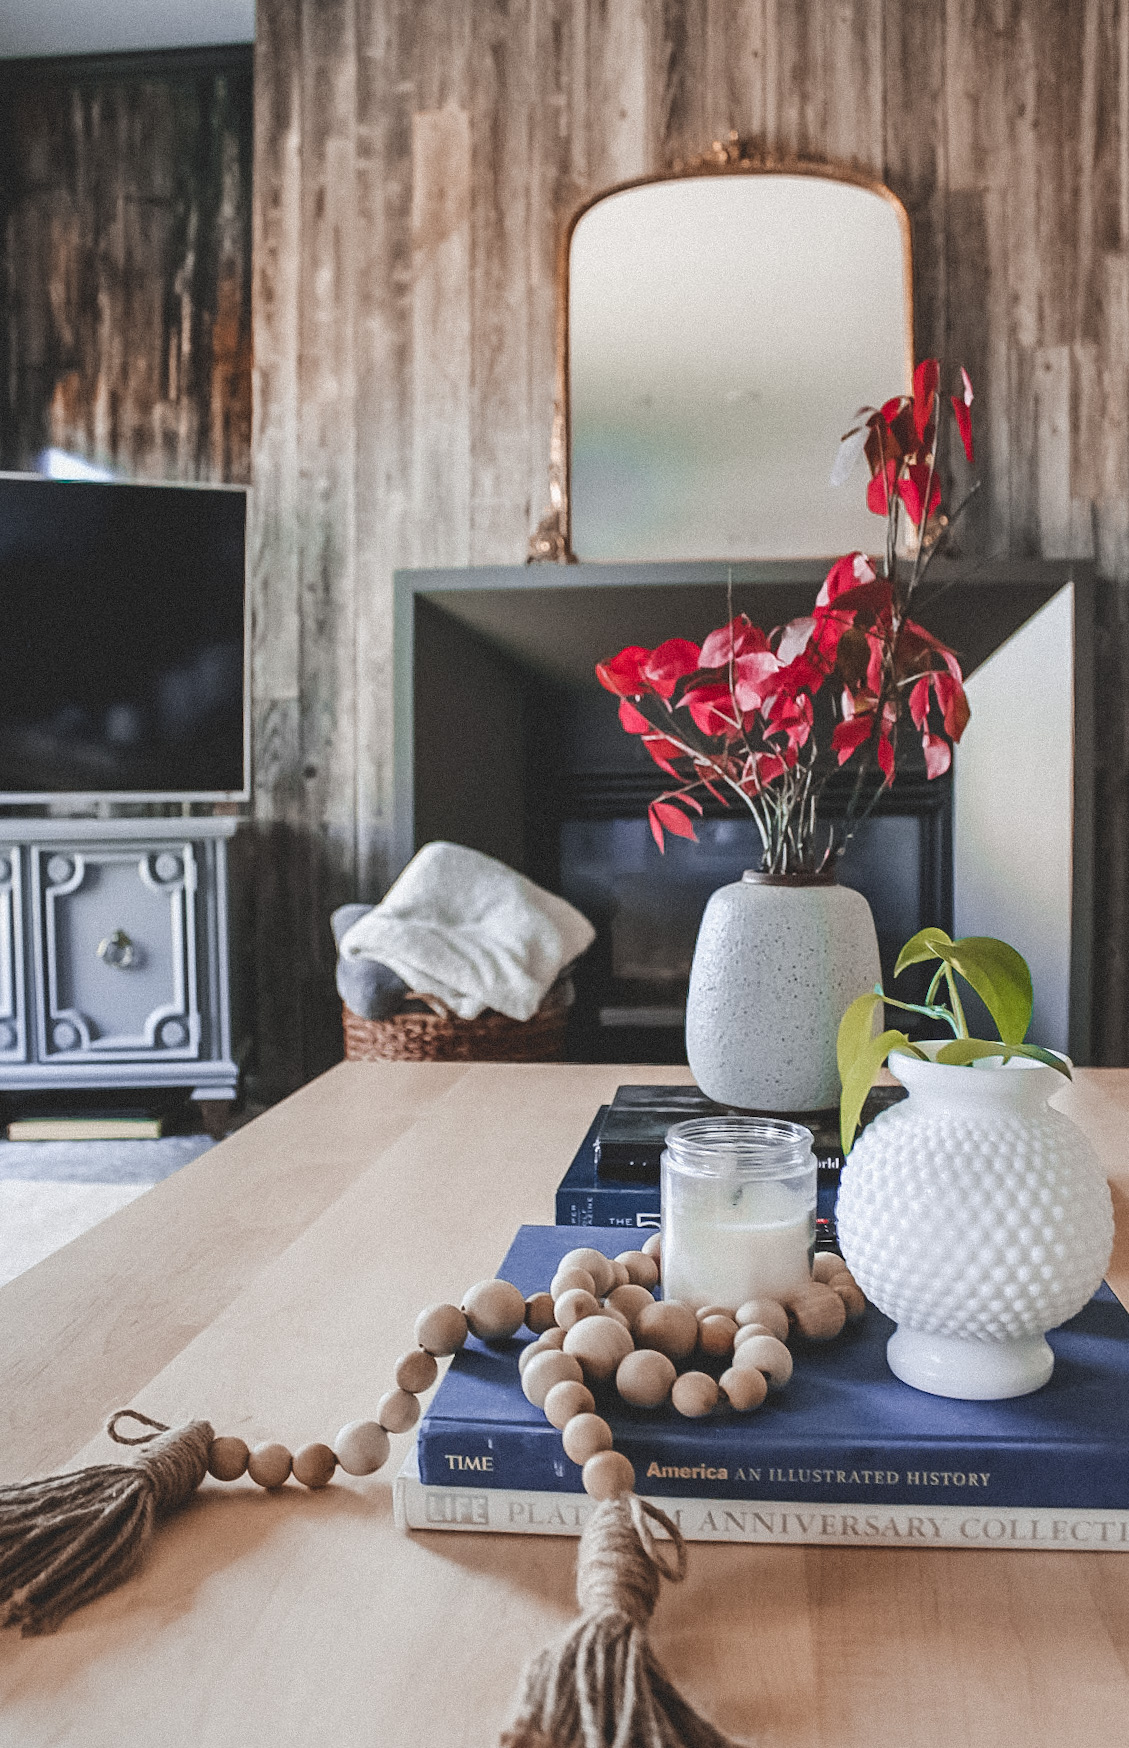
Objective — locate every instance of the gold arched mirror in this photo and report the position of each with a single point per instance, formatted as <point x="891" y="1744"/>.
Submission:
<point x="717" y="331"/>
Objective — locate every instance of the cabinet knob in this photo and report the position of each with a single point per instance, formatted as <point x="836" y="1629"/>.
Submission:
<point x="117" y="949"/>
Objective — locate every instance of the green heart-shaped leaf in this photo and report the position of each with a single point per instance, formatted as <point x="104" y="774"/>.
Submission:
<point x="1001" y="979"/>
<point x="856" y="1029"/>
<point x="958" y="1052"/>
<point x="926" y="944"/>
<point x="859" y="1078"/>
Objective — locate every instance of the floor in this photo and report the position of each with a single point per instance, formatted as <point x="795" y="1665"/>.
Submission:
<point x="53" y="1191"/>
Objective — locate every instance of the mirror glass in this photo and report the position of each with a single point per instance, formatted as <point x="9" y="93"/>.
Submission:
<point x="722" y="330"/>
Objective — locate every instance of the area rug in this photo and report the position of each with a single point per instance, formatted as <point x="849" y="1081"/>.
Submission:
<point x="51" y="1192"/>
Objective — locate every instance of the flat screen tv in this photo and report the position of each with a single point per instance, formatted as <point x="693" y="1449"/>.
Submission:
<point x="123" y="669"/>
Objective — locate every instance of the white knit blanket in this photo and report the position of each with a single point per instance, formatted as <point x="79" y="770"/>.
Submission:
<point x="466" y="928"/>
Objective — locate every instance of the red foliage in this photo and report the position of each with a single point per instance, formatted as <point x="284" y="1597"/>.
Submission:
<point x="736" y="716"/>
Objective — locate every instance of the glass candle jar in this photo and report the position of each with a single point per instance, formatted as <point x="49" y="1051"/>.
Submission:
<point x="738" y="1210"/>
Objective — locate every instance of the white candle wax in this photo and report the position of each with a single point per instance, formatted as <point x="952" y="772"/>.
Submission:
<point x="724" y="1250"/>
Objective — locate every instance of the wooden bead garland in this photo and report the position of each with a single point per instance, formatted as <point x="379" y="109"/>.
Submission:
<point x="599" y="1325"/>
<point x="72" y="1537"/>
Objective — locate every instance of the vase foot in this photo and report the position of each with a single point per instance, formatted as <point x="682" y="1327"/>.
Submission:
<point x="974" y="1371"/>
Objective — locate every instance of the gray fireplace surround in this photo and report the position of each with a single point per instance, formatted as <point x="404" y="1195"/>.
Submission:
<point x="503" y="736"/>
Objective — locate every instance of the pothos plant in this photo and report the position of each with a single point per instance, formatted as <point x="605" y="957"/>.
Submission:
<point x="763" y="719"/>
<point x="1000" y="977"/>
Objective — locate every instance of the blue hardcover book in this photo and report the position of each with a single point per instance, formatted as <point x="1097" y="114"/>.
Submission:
<point x="586" y="1198"/>
<point x="845" y="1430"/>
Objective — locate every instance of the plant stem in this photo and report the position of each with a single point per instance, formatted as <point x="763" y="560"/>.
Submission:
<point x="954" y="998"/>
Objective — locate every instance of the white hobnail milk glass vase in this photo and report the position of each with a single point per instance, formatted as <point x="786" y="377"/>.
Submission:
<point x="977" y="1218"/>
<point x="778" y="961"/>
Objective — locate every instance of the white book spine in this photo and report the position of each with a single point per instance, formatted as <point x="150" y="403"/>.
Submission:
<point x="512" y="1511"/>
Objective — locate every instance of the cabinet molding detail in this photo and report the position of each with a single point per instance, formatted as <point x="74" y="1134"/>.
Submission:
<point x="124" y="978"/>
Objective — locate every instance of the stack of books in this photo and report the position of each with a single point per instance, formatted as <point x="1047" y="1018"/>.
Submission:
<point x="614" y="1178"/>
<point x="846" y="1455"/>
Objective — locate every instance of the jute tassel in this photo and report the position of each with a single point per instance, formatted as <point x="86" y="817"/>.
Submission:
<point x="71" y="1538"/>
<point x="601" y="1686"/>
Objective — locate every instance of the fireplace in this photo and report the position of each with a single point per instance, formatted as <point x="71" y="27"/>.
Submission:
<point x="506" y="743"/>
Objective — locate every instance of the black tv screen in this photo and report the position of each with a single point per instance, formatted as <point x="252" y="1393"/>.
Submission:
<point x="122" y="667"/>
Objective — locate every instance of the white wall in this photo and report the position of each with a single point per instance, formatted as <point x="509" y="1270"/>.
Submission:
<point x="1014" y="801"/>
<point x="77" y="27"/>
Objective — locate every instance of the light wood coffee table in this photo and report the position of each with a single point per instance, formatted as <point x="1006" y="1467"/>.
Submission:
<point x="269" y="1287"/>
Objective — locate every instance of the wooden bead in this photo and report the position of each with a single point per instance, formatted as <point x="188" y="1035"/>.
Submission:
<point x="546" y="1370"/>
<point x="269" y="1465"/>
<point x="397" y="1411"/>
<point x="852" y="1295"/>
<point x="598" y="1265"/>
<point x="703" y="1311"/>
<point x="622" y="1278"/>
<point x="362" y="1447"/>
<point x="765" y="1354"/>
<point x="743" y="1387"/>
<point x="539" y="1313"/>
<point x="573" y="1305"/>
<point x="494" y="1310"/>
<point x="629" y="1300"/>
<point x="564" y="1279"/>
<point x="819" y="1312"/>
<point x="644" y="1378"/>
<point x="565" y="1401"/>
<point x="552" y="1339"/>
<point x="748" y="1330"/>
<point x="314" y="1465"/>
<point x="825" y="1264"/>
<point x="613" y="1311"/>
<point x="694" y="1394"/>
<point x="599" y="1343"/>
<point x="767" y="1311"/>
<point x="584" y="1435"/>
<point x="669" y="1327"/>
<point x="607" y="1475"/>
<point x="642" y="1270"/>
<point x="416" y="1371"/>
<point x="441" y="1329"/>
<point x="716" y="1335"/>
<point x="653" y="1247"/>
<point x="227" y="1459"/>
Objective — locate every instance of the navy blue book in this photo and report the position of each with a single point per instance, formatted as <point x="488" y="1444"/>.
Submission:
<point x="845" y="1430"/>
<point x="586" y="1197"/>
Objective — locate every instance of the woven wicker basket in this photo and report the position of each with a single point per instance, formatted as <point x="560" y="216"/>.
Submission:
<point x="441" y="1036"/>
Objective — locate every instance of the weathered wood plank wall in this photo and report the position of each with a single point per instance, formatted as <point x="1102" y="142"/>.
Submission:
<point x="416" y="161"/>
<point x="125" y="190"/>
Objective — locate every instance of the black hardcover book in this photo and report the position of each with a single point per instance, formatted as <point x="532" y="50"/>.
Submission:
<point x="630" y="1140"/>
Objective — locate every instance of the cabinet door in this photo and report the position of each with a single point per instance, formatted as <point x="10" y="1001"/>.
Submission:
<point x="115" y="952"/>
<point x="13" y="1022"/>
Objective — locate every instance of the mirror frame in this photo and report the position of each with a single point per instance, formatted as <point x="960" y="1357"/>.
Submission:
<point x="551" y="541"/>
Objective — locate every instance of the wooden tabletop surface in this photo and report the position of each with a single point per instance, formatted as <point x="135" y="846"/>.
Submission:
<point x="269" y="1286"/>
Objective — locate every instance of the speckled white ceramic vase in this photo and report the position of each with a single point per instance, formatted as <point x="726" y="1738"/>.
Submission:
<point x="977" y="1218"/>
<point x="778" y="961"/>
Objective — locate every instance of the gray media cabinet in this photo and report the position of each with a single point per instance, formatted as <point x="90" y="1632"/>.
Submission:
<point x="113" y="955"/>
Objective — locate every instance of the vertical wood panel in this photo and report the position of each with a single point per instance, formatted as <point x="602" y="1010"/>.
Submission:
<point x="441" y="332"/>
<point x="500" y="114"/>
<point x="620" y="96"/>
<point x="384" y="267"/>
<point x="736" y="68"/>
<point x="126" y="314"/>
